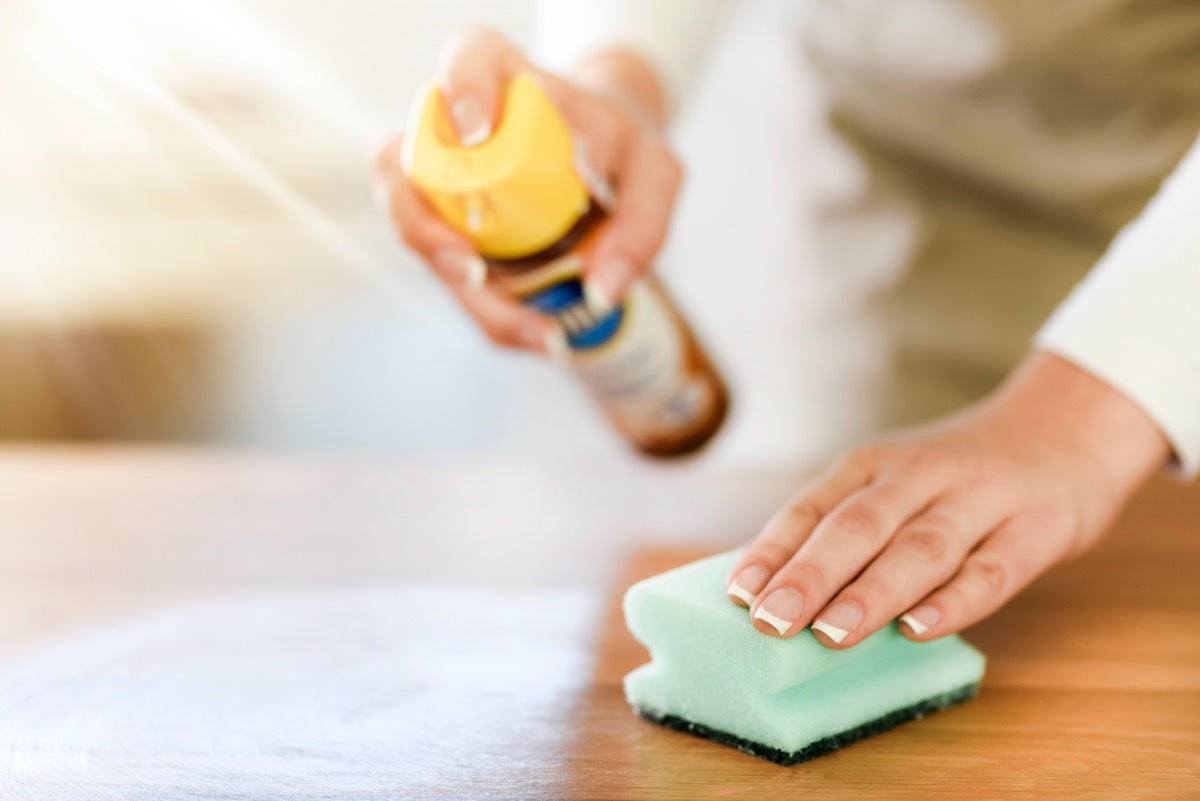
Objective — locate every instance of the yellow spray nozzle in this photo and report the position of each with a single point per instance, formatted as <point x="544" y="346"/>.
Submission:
<point x="517" y="192"/>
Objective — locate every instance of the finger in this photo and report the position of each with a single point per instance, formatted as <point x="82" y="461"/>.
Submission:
<point x="503" y="320"/>
<point x="997" y="570"/>
<point x="841" y="545"/>
<point x="616" y="147"/>
<point x="603" y="130"/>
<point x="451" y="254"/>
<point x="647" y="183"/>
<point x="511" y="325"/>
<point x="791" y="526"/>
<point x="476" y="65"/>
<point x="925" y="553"/>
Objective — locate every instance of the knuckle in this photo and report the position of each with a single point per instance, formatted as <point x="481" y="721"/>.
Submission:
<point x="804" y="512"/>
<point x="769" y="552"/>
<point x="808" y="577"/>
<point x="859" y="520"/>
<point x="930" y="460"/>
<point x="864" y="457"/>
<point x="992" y="573"/>
<point x="982" y="473"/>
<point x="930" y="543"/>
<point x="1057" y="517"/>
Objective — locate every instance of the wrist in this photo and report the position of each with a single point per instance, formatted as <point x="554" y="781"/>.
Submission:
<point x="1072" y="411"/>
<point x="627" y="79"/>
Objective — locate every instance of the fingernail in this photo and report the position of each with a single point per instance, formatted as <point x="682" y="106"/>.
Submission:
<point x="471" y="121"/>
<point x="595" y="298"/>
<point x="748" y="583"/>
<point x="463" y="269"/>
<point x="921" y="619"/>
<point x="597" y="184"/>
<point x="839" y="620"/>
<point x="477" y="273"/>
<point x="781" y="609"/>
<point x="556" y="345"/>
<point x="603" y="191"/>
<point x="600" y="292"/>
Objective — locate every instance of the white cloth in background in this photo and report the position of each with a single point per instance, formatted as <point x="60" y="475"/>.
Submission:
<point x="1051" y="141"/>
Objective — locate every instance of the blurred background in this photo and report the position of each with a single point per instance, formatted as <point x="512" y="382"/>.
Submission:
<point x="189" y="249"/>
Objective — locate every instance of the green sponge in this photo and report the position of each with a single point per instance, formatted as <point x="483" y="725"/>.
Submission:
<point x="789" y="700"/>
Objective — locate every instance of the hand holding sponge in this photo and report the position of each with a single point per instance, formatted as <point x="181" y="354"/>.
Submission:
<point x="786" y="700"/>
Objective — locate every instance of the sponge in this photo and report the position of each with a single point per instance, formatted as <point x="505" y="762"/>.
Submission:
<point x="787" y="700"/>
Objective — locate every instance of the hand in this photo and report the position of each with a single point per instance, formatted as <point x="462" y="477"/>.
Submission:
<point x="943" y="524"/>
<point x="614" y="107"/>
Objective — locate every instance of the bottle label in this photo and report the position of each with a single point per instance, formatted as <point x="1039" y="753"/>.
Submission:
<point x="632" y="357"/>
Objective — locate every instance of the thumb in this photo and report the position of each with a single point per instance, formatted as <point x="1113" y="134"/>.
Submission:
<point x="476" y="66"/>
<point x="471" y="112"/>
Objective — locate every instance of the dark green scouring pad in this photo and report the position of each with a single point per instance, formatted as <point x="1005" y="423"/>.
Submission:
<point x="818" y="747"/>
<point x="787" y="701"/>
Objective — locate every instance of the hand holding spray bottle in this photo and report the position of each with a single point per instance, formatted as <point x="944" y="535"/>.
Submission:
<point x="518" y="197"/>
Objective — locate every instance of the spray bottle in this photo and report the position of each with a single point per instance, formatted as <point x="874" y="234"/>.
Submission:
<point x="519" y="199"/>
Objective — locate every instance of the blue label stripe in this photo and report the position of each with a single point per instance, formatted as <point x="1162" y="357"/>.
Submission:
<point x="565" y="301"/>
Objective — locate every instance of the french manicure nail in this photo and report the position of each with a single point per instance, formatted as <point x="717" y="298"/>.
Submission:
<point x="603" y="191"/>
<point x="839" y="620"/>
<point x="921" y="619"/>
<point x="470" y="121"/>
<point x="463" y="269"/>
<point x="748" y="583"/>
<point x="477" y="273"/>
<point x="596" y="299"/>
<point x="600" y="292"/>
<point x="781" y="609"/>
<point x="557" y="347"/>
<point x="599" y="187"/>
<point x="597" y="184"/>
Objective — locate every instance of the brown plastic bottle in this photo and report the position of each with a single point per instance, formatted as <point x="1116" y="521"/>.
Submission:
<point x="534" y="220"/>
<point x="641" y="361"/>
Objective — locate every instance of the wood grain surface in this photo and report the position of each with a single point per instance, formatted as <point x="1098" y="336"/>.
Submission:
<point x="1092" y="691"/>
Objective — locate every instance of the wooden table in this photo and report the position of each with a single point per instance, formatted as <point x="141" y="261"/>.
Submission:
<point x="1093" y="686"/>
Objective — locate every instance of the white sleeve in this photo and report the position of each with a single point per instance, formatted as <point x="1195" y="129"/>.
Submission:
<point x="1134" y="322"/>
<point x="673" y="35"/>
